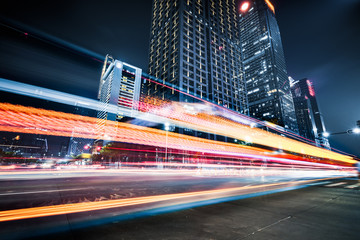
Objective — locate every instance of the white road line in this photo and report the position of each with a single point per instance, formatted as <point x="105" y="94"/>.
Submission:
<point x="45" y="191"/>
<point x="319" y="183"/>
<point x="335" y="184"/>
<point x="353" y="186"/>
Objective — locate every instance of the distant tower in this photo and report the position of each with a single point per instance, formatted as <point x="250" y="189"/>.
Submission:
<point x="268" y="88"/>
<point x="310" y="121"/>
<point x="194" y="44"/>
<point x="77" y="144"/>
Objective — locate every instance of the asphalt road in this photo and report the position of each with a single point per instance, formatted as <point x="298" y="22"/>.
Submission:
<point x="317" y="212"/>
<point x="42" y="188"/>
<point x="247" y="218"/>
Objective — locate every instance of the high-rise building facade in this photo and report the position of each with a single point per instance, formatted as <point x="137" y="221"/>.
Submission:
<point x="309" y="118"/>
<point x="119" y="91"/>
<point x="194" y="45"/>
<point x="268" y="87"/>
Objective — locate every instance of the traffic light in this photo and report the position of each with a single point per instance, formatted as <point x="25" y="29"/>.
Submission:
<point x="358" y="123"/>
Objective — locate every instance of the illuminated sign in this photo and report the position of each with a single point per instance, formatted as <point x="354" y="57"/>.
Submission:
<point x="85" y="155"/>
<point x="311" y="88"/>
<point x="270" y="5"/>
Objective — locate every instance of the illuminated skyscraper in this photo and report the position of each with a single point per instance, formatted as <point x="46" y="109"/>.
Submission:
<point x="268" y="87"/>
<point x="119" y="91"/>
<point x="194" y="44"/>
<point x="310" y="121"/>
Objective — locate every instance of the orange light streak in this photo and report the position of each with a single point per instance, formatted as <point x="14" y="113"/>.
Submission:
<point x="15" y="118"/>
<point x="45" y="211"/>
<point x="35" y="121"/>
<point x="222" y="126"/>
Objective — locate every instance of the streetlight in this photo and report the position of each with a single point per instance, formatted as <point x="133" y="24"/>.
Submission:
<point x="326" y="134"/>
<point x="167" y="128"/>
<point x="356" y="130"/>
<point x="350" y="131"/>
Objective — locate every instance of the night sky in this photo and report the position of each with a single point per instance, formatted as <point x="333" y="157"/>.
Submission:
<point x="320" y="38"/>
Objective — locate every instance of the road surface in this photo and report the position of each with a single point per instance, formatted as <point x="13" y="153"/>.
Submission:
<point x="163" y="205"/>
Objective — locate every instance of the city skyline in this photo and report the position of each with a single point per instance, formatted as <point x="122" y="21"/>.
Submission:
<point x="325" y="84"/>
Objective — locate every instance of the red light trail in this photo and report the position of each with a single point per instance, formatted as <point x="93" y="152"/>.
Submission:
<point x="14" y="118"/>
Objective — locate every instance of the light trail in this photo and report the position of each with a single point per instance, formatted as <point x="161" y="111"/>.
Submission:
<point x="229" y="113"/>
<point x="50" y="39"/>
<point x="44" y="191"/>
<point x="176" y="114"/>
<point x="207" y="122"/>
<point x="52" y="95"/>
<point x="17" y="146"/>
<point x="46" y="211"/>
<point x="15" y="118"/>
<point x="195" y="171"/>
<point x="213" y="158"/>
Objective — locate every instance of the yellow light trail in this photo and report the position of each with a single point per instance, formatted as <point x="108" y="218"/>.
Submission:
<point x="222" y="126"/>
<point x="46" y="211"/>
<point x="15" y="118"/>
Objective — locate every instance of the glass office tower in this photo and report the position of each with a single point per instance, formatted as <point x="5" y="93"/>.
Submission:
<point x="309" y="118"/>
<point x="119" y="92"/>
<point x="194" y="44"/>
<point x="268" y="87"/>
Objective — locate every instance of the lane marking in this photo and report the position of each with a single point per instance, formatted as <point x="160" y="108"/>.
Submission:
<point x="320" y="183"/>
<point x="336" y="184"/>
<point x="45" y="191"/>
<point x="268" y="226"/>
<point x="353" y="186"/>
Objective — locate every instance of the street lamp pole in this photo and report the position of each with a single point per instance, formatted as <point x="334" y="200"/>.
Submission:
<point x="350" y="131"/>
<point x="338" y="133"/>
<point x="167" y="128"/>
<point x="166" y="146"/>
